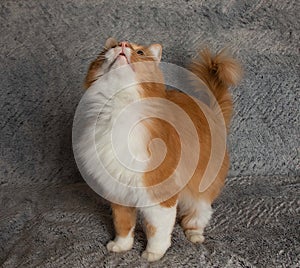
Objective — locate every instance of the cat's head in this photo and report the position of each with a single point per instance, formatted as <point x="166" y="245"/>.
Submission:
<point x="116" y="54"/>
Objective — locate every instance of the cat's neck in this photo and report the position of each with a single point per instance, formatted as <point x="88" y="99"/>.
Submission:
<point x="123" y="86"/>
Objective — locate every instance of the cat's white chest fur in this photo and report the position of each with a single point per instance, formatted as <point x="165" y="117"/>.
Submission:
<point x="112" y="150"/>
<point x="121" y="145"/>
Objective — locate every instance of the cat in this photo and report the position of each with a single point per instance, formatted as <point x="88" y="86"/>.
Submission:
<point x="140" y="80"/>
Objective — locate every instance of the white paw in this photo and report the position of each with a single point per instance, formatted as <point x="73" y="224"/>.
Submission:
<point x="151" y="256"/>
<point x="117" y="247"/>
<point x="195" y="236"/>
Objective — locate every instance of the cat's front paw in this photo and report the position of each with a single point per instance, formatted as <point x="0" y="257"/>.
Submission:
<point x="116" y="246"/>
<point x="151" y="256"/>
<point x="195" y="236"/>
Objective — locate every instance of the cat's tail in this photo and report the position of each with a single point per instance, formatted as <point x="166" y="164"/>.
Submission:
<point x="218" y="72"/>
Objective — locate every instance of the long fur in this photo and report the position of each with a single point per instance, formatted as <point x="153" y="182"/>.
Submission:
<point x="218" y="72"/>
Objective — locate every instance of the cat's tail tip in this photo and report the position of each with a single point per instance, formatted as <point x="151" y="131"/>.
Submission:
<point x="221" y="67"/>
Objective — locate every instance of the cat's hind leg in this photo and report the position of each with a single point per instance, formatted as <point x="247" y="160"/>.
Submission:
<point x="195" y="214"/>
<point x="124" y="223"/>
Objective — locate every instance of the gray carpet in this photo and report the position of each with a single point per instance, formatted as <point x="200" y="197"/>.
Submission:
<point x="48" y="215"/>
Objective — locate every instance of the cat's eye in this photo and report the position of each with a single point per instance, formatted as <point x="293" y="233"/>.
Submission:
<point x="140" y="52"/>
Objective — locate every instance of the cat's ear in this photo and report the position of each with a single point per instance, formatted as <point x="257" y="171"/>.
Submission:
<point x="111" y="42"/>
<point x="156" y="50"/>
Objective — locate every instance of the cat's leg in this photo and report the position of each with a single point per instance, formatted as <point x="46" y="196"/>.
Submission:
<point x="124" y="222"/>
<point x="159" y="223"/>
<point x="195" y="215"/>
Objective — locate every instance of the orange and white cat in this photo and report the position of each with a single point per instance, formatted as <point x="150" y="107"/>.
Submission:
<point x="142" y="82"/>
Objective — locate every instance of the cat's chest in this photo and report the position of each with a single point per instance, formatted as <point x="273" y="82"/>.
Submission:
<point x="118" y="111"/>
<point x="121" y="138"/>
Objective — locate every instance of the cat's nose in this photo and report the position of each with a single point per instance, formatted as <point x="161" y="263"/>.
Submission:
<point x="124" y="44"/>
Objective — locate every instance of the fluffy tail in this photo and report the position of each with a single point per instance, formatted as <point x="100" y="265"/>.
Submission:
<point x="218" y="72"/>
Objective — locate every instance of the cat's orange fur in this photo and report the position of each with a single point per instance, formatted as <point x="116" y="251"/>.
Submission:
<point x="124" y="219"/>
<point x="218" y="72"/>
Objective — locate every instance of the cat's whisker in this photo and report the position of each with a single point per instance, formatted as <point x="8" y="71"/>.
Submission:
<point x="153" y="57"/>
<point x="101" y="57"/>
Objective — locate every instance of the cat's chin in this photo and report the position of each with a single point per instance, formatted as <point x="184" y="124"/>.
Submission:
<point x="122" y="60"/>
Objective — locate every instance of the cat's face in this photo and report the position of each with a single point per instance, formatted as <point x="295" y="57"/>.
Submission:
<point x="121" y="53"/>
<point x="117" y="54"/>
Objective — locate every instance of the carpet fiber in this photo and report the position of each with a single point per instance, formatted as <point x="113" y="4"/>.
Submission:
<point x="48" y="215"/>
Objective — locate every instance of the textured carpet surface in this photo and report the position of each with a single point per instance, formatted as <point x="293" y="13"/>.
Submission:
<point x="255" y="224"/>
<point x="49" y="217"/>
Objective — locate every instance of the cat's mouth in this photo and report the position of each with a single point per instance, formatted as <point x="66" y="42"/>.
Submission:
<point x="121" y="58"/>
<point x="123" y="55"/>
